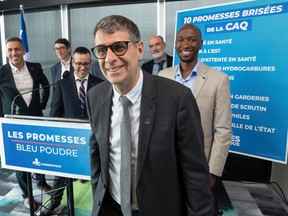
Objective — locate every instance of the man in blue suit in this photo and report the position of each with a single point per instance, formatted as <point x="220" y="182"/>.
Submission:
<point x="62" y="49"/>
<point x="96" y="71"/>
<point x="66" y="102"/>
<point x="19" y="81"/>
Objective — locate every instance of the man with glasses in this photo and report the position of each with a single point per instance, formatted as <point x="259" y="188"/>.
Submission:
<point x="62" y="49"/>
<point x="211" y="89"/>
<point x="69" y="102"/>
<point x="146" y="148"/>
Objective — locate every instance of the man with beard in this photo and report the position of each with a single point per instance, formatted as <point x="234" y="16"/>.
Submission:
<point x="212" y="93"/>
<point x="160" y="59"/>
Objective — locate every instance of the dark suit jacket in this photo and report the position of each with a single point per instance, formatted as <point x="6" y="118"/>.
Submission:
<point x="9" y="91"/>
<point x="172" y="172"/>
<point x="148" y="66"/>
<point x="65" y="101"/>
<point x="1" y="108"/>
<point x="56" y="71"/>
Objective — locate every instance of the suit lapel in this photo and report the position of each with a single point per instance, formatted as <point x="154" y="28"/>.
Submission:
<point x="32" y="73"/>
<point x="90" y="83"/>
<point x="73" y="87"/>
<point x="105" y="110"/>
<point x="200" y="80"/>
<point x="59" y="71"/>
<point x="148" y="109"/>
<point x="10" y="75"/>
<point x="170" y="73"/>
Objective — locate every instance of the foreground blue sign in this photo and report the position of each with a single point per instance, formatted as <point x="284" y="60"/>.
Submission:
<point x="248" y="41"/>
<point x="58" y="148"/>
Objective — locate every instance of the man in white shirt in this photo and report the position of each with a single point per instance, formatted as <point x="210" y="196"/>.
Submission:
<point x="62" y="49"/>
<point x="18" y="77"/>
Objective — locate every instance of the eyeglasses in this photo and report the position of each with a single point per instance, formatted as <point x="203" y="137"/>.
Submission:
<point x="60" y="48"/>
<point x="79" y="64"/>
<point x="119" y="48"/>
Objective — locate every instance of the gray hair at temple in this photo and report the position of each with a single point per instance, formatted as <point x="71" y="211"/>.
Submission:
<point x="16" y="39"/>
<point x="114" y="23"/>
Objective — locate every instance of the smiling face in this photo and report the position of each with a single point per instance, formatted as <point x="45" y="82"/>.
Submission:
<point x="62" y="52"/>
<point x="81" y="64"/>
<point x="157" y="47"/>
<point x="15" y="53"/>
<point x="122" y="71"/>
<point x="188" y="43"/>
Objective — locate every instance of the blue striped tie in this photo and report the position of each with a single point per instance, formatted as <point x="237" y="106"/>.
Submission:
<point x="82" y="95"/>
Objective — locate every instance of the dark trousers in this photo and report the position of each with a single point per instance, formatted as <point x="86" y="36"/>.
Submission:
<point x="110" y="207"/>
<point x="22" y="181"/>
<point x="215" y="192"/>
<point x="59" y="187"/>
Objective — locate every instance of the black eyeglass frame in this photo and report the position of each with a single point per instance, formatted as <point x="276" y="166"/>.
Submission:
<point x="85" y="64"/>
<point x="111" y="47"/>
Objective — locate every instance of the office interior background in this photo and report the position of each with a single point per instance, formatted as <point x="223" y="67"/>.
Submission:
<point x="47" y="20"/>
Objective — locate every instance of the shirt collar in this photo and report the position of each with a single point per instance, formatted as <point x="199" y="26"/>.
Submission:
<point x="195" y="69"/>
<point x="135" y="93"/>
<point x="15" y="69"/>
<point x="67" y="64"/>
<point x="77" y="78"/>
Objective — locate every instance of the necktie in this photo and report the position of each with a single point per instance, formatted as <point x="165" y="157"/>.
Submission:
<point x="160" y="65"/>
<point x="125" y="176"/>
<point x="82" y="95"/>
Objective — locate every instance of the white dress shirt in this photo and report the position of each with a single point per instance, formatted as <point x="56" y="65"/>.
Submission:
<point x="115" y="147"/>
<point x="23" y="82"/>
<point x="65" y="67"/>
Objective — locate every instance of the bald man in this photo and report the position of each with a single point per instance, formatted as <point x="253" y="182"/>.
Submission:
<point x="161" y="59"/>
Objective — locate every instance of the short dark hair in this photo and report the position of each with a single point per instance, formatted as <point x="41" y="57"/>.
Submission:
<point x="82" y="50"/>
<point x="63" y="41"/>
<point x="114" y="23"/>
<point x="16" y="39"/>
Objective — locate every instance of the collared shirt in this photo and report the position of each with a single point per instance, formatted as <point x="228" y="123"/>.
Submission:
<point x="78" y="83"/>
<point x="65" y="67"/>
<point x="23" y="82"/>
<point x="156" y="66"/>
<point x="190" y="80"/>
<point x="115" y="150"/>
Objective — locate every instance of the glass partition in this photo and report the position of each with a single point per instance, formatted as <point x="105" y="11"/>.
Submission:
<point x="83" y="21"/>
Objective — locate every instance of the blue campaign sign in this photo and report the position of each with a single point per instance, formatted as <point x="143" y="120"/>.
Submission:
<point x="56" y="148"/>
<point x="248" y="41"/>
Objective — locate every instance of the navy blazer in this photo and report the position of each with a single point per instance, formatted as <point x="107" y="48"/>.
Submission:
<point x="172" y="172"/>
<point x="96" y="71"/>
<point x="65" y="102"/>
<point x="56" y="71"/>
<point x="1" y="108"/>
<point x="9" y="91"/>
<point x="148" y="66"/>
